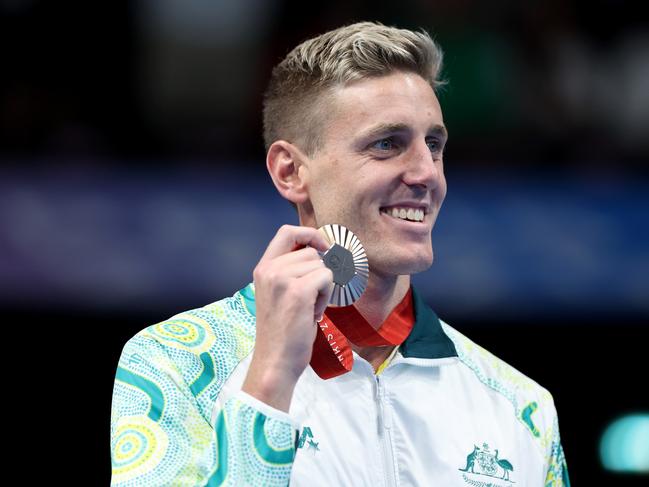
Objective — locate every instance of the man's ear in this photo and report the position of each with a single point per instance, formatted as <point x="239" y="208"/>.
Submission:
<point x="284" y="161"/>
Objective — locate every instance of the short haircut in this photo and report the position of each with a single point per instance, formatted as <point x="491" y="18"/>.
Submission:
<point x="293" y="102"/>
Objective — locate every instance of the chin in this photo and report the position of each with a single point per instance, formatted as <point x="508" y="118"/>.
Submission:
<point x="402" y="266"/>
<point x="419" y="266"/>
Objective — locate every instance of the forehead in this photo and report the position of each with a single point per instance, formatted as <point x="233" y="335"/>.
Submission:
<point x="397" y="98"/>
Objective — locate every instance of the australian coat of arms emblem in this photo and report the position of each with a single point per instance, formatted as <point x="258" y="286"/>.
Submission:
<point x="481" y="461"/>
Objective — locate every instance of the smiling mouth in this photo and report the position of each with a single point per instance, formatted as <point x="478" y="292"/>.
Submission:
<point x="415" y="215"/>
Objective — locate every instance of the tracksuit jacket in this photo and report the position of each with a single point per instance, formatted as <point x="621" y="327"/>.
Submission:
<point x="443" y="412"/>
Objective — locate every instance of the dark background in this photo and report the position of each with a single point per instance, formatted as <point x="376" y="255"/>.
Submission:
<point x="133" y="186"/>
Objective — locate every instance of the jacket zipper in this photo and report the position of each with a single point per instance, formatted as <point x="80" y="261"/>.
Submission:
<point x="385" y="433"/>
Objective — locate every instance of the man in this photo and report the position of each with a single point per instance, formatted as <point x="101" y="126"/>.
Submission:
<point x="225" y="395"/>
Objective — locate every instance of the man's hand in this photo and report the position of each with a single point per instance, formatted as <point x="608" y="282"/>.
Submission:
<point x="292" y="290"/>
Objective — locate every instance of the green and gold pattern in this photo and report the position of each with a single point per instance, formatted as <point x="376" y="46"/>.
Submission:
<point x="167" y="381"/>
<point x="260" y="450"/>
<point x="139" y="445"/>
<point x="188" y="333"/>
<point x="557" y="468"/>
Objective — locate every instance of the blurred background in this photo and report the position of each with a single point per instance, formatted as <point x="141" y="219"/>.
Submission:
<point x="133" y="186"/>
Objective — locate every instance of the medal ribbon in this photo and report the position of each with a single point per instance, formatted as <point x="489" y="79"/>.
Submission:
<point x="332" y="353"/>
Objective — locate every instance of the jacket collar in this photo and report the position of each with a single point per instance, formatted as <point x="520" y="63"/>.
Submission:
<point x="426" y="340"/>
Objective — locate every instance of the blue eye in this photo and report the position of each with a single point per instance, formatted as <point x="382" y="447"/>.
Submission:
<point x="384" y="144"/>
<point x="433" y="145"/>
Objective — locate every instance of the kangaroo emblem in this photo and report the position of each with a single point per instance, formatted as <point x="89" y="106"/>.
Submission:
<point x="470" y="460"/>
<point x="484" y="462"/>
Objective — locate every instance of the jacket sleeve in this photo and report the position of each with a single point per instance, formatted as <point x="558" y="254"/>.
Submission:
<point x="160" y="435"/>
<point x="557" y="471"/>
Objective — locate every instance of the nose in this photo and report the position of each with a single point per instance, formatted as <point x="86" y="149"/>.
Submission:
<point x="423" y="168"/>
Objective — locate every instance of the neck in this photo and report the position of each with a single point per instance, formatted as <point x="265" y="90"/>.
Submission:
<point x="381" y="296"/>
<point x="379" y="299"/>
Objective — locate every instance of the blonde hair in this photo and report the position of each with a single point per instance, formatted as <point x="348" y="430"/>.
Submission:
<point x="293" y="108"/>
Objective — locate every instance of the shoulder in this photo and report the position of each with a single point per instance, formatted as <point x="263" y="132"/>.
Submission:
<point x="198" y="348"/>
<point x="533" y="404"/>
<point x="224" y="326"/>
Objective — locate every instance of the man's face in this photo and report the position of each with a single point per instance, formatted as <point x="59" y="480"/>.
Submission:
<point x="382" y="153"/>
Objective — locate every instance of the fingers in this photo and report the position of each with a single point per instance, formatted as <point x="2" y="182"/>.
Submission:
<point x="302" y="255"/>
<point x="323" y="280"/>
<point x="290" y="238"/>
<point x="288" y="266"/>
<point x="301" y="268"/>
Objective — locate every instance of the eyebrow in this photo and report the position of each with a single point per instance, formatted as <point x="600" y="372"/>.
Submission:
<point x="384" y="128"/>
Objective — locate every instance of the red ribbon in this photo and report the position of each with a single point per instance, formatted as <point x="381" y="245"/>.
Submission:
<point x="332" y="353"/>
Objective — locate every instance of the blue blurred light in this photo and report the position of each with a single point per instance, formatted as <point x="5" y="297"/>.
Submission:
<point x="624" y="446"/>
<point x="532" y="245"/>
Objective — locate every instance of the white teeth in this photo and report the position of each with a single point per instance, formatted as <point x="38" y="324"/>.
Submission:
<point x="407" y="214"/>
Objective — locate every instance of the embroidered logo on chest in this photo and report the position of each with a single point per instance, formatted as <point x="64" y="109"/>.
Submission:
<point x="481" y="463"/>
<point x="307" y="441"/>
